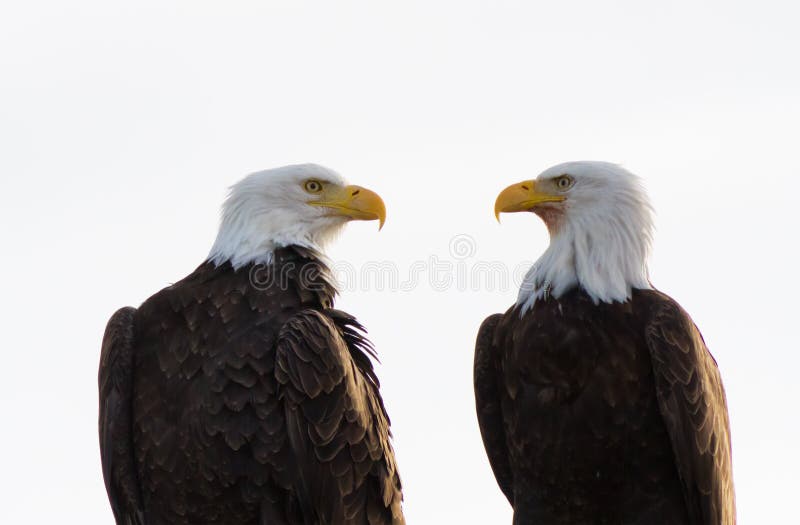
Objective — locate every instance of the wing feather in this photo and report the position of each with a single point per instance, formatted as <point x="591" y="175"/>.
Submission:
<point x="693" y="405"/>
<point x="336" y="422"/>
<point x="116" y="446"/>
<point x="487" y="403"/>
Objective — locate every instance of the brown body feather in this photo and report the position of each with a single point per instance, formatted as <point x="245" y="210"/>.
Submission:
<point x="604" y="413"/>
<point x="242" y="397"/>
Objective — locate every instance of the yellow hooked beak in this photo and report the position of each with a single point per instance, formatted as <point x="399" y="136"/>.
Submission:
<point x="522" y="196"/>
<point x="353" y="202"/>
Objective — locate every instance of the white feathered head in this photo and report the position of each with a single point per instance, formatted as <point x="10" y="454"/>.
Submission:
<point x="600" y="223"/>
<point x="303" y="204"/>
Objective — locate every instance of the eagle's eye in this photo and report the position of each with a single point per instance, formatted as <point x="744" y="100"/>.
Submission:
<point x="313" y="186"/>
<point x="564" y="182"/>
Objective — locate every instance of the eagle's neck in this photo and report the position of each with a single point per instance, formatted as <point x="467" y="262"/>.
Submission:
<point x="606" y="258"/>
<point x="296" y="267"/>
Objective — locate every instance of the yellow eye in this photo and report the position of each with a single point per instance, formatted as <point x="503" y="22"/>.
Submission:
<point x="313" y="186"/>
<point x="564" y="182"/>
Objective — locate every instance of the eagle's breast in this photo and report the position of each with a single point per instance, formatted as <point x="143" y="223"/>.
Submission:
<point x="579" y="391"/>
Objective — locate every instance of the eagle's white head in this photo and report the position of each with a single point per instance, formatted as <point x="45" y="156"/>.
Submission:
<point x="303" y="204"/>
<point x="600" y="224"/>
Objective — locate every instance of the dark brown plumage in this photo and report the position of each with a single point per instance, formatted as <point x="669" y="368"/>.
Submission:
<point x="604" y="413"/>
<point x="242" y="397"/>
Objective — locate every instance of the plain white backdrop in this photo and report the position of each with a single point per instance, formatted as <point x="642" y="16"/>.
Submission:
<point x="122" y="124"/>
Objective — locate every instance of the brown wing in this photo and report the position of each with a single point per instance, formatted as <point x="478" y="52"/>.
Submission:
<point x="487" y="404"/>
<point x="692" y="403"/>
<point x="116" y="444"/>
<point x="336" y="424"/>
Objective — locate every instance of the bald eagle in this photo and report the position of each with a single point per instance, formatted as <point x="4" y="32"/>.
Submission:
<point x="597" y="398"/>
<point x="238" y="395"/>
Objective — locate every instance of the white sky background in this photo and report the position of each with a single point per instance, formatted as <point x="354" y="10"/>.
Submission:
<point x="121" y="125"/>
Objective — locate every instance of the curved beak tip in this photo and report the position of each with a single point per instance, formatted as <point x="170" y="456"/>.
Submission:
<point x="380" y="210"/>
